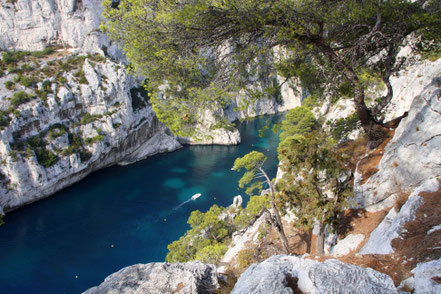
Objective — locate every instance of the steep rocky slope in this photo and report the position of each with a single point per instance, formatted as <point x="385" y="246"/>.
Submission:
<point x="390" y="241"/>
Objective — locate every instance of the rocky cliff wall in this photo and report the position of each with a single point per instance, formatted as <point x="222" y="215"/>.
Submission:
<point x="71" y="123"/>
<point x="33" y="25"/>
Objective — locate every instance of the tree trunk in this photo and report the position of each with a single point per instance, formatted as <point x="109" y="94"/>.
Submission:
<point x="375" y="132"/>
<point x="320" y="244"/>
<point x="373" y="129"/>
<point x="278" y="219"/>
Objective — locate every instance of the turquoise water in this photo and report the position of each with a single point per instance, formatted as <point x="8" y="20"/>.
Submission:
<point x="120" y="216"/>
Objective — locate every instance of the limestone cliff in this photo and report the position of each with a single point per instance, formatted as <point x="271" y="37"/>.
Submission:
<point x="70" y="124"/>
<point x="33" y="25"/>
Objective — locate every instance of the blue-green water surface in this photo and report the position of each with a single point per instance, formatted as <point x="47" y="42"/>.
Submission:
<point x="120" y="216"/>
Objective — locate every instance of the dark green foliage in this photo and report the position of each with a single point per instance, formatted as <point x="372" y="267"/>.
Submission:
<point x="97" y="138"/>
<point x="298" y="121"/>
<point x="60" y="79"/>
<point x="310" y="102"/>
<point x="10" y="57"/>
<point x="75" y="144"/>
<point x="27" y="81"/>
<point x="37" y="145"/>
<point x="19" y="98"/>
<point x="44" y="52"/>
<point x="254" y="207"/>
<point x="57" y="130"/>
<point x="140" y="97"/>
<point x="81" y="77"/>
<point x="47" y="86"/>
<point x="88" y="118"/>
<point x="26" y="68"/>
<point x="206" y="240"/>
<point x="4" y="119"/>
<point x="342" y="127"/>
<point x="45" y="157"/>
<point x="433" y="54"/>
<point x="9" y="85"/>
<point x="85" y="155"/>
<point x="65" y="66"/>
<point x="313" y="169"/>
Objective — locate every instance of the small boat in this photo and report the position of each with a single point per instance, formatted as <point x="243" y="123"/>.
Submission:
<point x="196" y="196"/>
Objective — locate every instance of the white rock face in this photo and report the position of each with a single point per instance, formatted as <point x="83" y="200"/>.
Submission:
<point x="411" y="157"/>
<point x="423" y="274"/>
<point x="393" y="224"/>
<point x="348" y="244"/>
<point x="242" y="240"/>
<point x="331" y="276"/>
<point x="191" y="277"/>
<point x="34" y="24"/>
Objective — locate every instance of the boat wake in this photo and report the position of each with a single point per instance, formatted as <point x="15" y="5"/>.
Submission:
<point x="192" y="198"/>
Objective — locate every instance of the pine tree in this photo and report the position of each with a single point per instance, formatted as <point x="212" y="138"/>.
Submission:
<point x="202" y="52"/>
<point x="316" y="183"/>
<point x="253" y="165"/>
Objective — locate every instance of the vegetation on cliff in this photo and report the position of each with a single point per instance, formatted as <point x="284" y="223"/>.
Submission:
<point x="202" y="51"/>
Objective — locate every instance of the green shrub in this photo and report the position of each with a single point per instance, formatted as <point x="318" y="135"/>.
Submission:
<point x="88" y="118"/>
<point x="75" y="143"/>
<point x="212" y="253"/>
<point x="10" y="85"/>
<point x="13" y="69"/>
<point x="20" y="98"/>
<point x="14" y="155"/>
<point x="254" y="206"/>
<point x="43" y="53"/>
<point x="341" y="128"/>
<point x="47" y="86"/>
<point x="26" y="68"/>
<point x="9" y="58"/>
<point x="432" y="55"/>
<point x="85" y="155"/>
<point x="97" y="57"/>
<point x="97" y="138"/>
<point x="4" y="119"/>
<point x="298" y="121"/>
<point x="83" y="80"/>
<point x="65" y="66"/>
<point x="28" y="81"/>
<point x="246" y="257"/>
<point x="45" y="157"/>
<point x="81" y="77"/>
<point x="56" y="130"/>
<point x="60" y="79"/>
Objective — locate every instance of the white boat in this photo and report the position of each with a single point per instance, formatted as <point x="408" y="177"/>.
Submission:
<point x="196" y="196"/>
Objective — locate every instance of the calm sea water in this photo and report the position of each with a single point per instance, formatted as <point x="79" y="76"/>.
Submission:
<point x="120" y="216"/>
